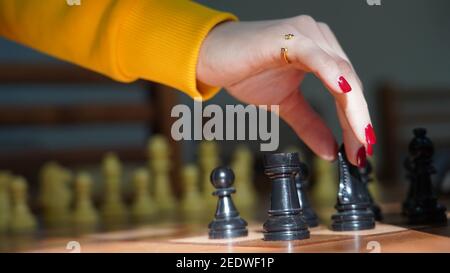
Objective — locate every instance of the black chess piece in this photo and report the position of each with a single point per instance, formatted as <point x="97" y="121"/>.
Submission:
<point x="285" y="221"/>
<point x="353" y="206"/>
<point x="227" y="222"/>
<point x="421" y="205"/>
<point x="366" y="178"/>
<point x="300" y="182"/>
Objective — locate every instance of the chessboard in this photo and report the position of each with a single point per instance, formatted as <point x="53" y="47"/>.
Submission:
<point x="220" y="211"/>
<point x="390" y="236"/>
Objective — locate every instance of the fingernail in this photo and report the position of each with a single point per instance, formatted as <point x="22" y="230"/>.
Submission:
<point x="369" y="149"/>
<point x="361" y="157"/>
<point x="370" y="135"/>
<point x="343" y="84"/>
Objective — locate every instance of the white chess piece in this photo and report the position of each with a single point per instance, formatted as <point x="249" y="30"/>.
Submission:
<point x="159" y="155"/>
<point x="143" y="208"/>
<point x="242" y="165"/>
<point x="84" y="216"/>
<point x="192" y="206"/>
<point x="325" y="187"/>
<point x="113" y="210"/>
<point x="55" y="195"/>
<point x="22" y="220"/>
<point x="208" y="157"/>
<point x="5" y="204"/>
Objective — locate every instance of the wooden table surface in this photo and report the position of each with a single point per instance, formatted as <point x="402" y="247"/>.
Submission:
<point x="393" y="235"/>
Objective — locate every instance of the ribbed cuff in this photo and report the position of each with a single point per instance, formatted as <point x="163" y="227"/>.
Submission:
<point x="160" y="41"/>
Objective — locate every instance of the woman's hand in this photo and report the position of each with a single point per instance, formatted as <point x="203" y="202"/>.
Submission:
<point x="245" y="58"/>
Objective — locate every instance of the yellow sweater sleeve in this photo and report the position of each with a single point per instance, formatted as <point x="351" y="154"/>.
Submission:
<point x="157" y="40"/>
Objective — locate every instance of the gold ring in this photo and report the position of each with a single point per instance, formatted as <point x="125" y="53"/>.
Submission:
<point x="288" y="36"/>
<point x="284" y="56"/>
<point x="284" y="50"/>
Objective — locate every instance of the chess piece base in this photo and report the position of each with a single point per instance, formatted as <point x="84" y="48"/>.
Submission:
<point x="376" y="212"/>
<point x="285" y="228"/>
<point x="286" y="235"/>
<point x="351" y="220"/>
<point x="228" y="228"/>
<point x="426" y="214"/>
<point x="226" y="234"/>
<point x="310" y="217"/>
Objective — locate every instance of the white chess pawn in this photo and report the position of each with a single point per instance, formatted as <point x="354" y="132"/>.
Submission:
<point x="113" y="210"/>
<point x="159" y="155"/>
<point x="22" y="220"/>
<point x="5" y="205"/>
<point x="143" y="209"/>
<point x="84" y="216"/>
<point x="192" y="207"/>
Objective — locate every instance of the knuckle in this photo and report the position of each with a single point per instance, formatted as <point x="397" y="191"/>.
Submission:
<point x="326" y="64"/>
<point x="307" y="44"/>
<point x="283" y="27"/>
<point x="304" y="19"/>
<point x="324" y="26"/>
<point x="356" y="108"/>
<point x="344" y="66"/>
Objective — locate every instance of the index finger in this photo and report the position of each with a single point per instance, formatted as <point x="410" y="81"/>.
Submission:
<point x="340" y="79"/>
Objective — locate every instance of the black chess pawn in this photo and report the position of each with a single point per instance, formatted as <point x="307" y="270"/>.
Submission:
<point x="421" y="205"/>
<point x="366" y="178"/>
<point x="353" y="206"/>
<point x="227" y="222"/>
<point x="300" y="182"/>
<point x="285" y="221"/>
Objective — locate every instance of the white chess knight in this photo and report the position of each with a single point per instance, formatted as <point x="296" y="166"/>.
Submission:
<point x="55" y="195"/>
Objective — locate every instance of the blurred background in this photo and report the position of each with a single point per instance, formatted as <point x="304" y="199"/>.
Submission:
<point x="50" y="110"/>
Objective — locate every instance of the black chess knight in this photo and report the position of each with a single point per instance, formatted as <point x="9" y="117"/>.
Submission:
<point x="227" y="222"/>
<point x="300" y="182"/>
<point x="285" y="221"/>
<point x="366" y="178"/>
<point x="421" y="206"/>
<point x="353" y="205"/>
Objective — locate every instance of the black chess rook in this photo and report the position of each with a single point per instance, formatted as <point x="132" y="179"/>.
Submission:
<point x="285" y="221"/>
<point x="227" y="222"/>
<point x="421" y="205"/>
<point x="353" y="205"/>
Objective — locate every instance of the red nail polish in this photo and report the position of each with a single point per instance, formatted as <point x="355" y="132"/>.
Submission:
<point x="361" y="157"/>
<point x="369" y="149"/>
<point x="370" y="135"/>
<point x="344" y="85"/>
